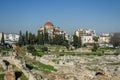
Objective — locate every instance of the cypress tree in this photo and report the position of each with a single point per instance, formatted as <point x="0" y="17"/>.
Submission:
<point x="46" y="40"/>
<point x="26" y="37"/>
<point x="76" y="41"/>
<point x="2" y="39"/>
<point x="20" y="42"/>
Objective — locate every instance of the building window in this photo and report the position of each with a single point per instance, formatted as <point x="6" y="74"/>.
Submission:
<point x="85" y="39"/>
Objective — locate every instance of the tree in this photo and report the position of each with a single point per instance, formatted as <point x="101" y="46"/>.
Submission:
<point x="58" y="40"/>
<point x="26" y="37"/>
<point x="44" y="48"/>
<point x="66" y="44"/>
<point x="2" y="39"/>
<point x="95" y="47"/>
<point x="95" y="38"/>
<point x="51" y="42"/>
<point x="20" y="42"/>
<point x="32" y="38"/>
<point x="76" y="41"/>
<point x="46" y="38"/>
<point x="117" y="52"/>
<point x="31" y="48"/>
<point x="115" y="40"/>
<point x="40" y="38"/>
<point x="23" y="39"/>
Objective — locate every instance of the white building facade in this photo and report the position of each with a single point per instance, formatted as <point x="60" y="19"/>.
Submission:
<point x="87" y="39"/>
<point x="81" y="32"/>
<point x="10" y="37"/>
<point x="104" y="38"/>
<point x="86" y="35"/>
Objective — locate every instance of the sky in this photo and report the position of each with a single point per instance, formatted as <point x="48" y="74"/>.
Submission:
<point x="103" y="16"/>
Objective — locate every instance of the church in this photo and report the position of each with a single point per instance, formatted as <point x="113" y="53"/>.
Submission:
<point x="52" y="30"/>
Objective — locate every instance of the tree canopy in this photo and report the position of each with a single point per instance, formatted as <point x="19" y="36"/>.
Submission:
<point x="2" y="39"/>
<point x="76" y="41"/>
<point x="115" y="40"/>
<point x="30" y="39"/>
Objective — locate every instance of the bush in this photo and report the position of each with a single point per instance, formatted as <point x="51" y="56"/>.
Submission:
<point x="1" y="76"/>
<point x="61" y="54"/>
<point x="95" y="47"/>
<point x="31" y="48"/>
<point x="4" y="53"/>
<point x="117" y="52"/>
<point x="84" y="45"/>
<point x="44" y="49"/>
<point x="23" y="77"/>
<point x="93" y="50"/>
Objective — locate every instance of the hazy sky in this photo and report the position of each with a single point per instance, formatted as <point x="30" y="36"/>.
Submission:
<point x="69" y="15"/>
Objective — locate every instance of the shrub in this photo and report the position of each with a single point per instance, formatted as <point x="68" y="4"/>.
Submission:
<point x="1" y="76"/>
<point x="117" y="52"/>
<point x="44" y="49"/>
<point x="84" y="45"/>
<point x="4" y="53"/>
<point x="61" y="54"/>
<point x="31" y="48"/>
<point x="23" y="77"/>
<point x="95" y="47"/>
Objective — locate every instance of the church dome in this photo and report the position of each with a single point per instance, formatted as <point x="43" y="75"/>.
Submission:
<point x="48" y="24"/>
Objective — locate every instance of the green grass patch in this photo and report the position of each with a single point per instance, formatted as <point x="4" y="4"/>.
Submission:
<point x="55" y="61"/>
<point x="3" y="48"/>
<point x="37" y="50"/>
<point x="23" y="77"/>
<point x="63" y="53"/>
<point x="111" y="49"/>
<point x="93" y="53"/>
<point x="78" y="54"/>
<point x="14" y="66"/>
<point x="1" y="69"/>
<point x="43" y="67"/>
<point x="115" y="63"/>
<point x="2" y="76"/>
<point x="36" y="53"/>
<point x="39" y="47"/>
<point x="96" y="68"/>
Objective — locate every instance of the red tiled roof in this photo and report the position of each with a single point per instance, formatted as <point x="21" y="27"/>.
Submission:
<point x="56" y="30"/>
<point x="87" y="35"/>
<point x="62" y="31"/>
<point x="48" y="24"/>
<point x="104" y="36"/>
<point x="40" y="30"/>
